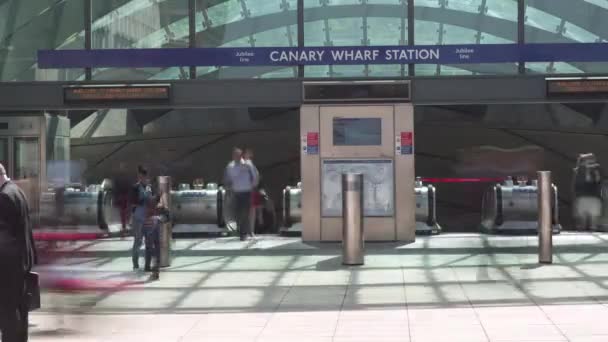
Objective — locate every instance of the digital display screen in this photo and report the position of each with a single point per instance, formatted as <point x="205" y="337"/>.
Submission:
<point x="3" y="125"/>
<point x="577" y="88"/>
<point x="357" y="92"/>
<point x="357" y="131"/>
<point x="117" y="93"/>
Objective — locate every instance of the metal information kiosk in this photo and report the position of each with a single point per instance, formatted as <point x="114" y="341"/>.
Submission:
<point x="363" y="127"/>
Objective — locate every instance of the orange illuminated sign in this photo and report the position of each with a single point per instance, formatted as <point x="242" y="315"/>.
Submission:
<point x="577" y="87"/>
<point x="117" y="93"/>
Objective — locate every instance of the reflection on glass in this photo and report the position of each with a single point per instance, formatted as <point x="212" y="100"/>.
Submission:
<point x="27" y="158"/>
<point x="139" y="25"/>
<point x="27" y="26"/>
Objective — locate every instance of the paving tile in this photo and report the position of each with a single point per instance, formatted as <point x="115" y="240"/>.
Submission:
<point x="140" y="299"/>
<point x="455" y="333"/>
<point x="525" y="315"/>
<point x="323" y="278"/>
<point x="495" y="294"/>
<point x="374" y="315"/>
<point x="294" y="339"/>
<point x="385" y="296"/>
<point x="596" y="338"/>
<point x="204" y="337"/>
<point x="373" y="330"/>
<point x="574" y="314"/>
<point x="376" y="277"/>
<point x="446" y="316"/>
<point x="264" y="299"/>
<point x="511" y="332"/>
<point x="591" y="328"/>
<point x="436" y="296"/>
<point x="305" y="298"/>
<point x="557" y="292"/>
<point x="423" y="276"/>
<point x="249" y="279"/>
<point x="367" y="339"/>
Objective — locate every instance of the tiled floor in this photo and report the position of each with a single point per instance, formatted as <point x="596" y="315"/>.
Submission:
<point x="447" y="288"/>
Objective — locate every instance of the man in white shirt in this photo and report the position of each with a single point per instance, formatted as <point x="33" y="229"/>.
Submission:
<point x="240" y="177"/>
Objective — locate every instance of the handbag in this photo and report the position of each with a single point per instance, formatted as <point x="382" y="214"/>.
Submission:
<point x="32" y="290"/>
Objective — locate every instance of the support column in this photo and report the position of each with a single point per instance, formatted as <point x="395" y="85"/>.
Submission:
<point x="88" y="23"/>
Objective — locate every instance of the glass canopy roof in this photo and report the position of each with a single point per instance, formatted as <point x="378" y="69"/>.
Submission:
<point x="268" y="23"/>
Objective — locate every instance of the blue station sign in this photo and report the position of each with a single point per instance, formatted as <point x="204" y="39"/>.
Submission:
<point x="355" y="55"/>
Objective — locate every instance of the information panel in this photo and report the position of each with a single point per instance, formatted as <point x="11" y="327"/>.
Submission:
<point x="378" y="187"/>
<point x="117" y="93"/>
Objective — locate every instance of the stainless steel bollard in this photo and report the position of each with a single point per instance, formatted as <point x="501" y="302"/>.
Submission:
<point x="545" y="233"/>
<point x="352" y="219"/>
<point x="166" y="229"/>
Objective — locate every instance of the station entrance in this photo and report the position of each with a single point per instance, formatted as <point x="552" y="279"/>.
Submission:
<point x="431" y="167"/>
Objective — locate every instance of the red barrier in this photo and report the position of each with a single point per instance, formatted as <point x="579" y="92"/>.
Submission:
<point x="77" y="285"/>
<point x="463" y="180"/>
<point x="62" y="236"/>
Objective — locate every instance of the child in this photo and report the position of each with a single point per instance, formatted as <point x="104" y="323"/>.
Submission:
<point x="152" y="236"/>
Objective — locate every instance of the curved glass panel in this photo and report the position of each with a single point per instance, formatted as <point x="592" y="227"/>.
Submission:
<point x="246" y="23"/>
<point x="139" y="24"/>
<point x="27" y="26"/>
<point x="355" y="23"/>
<point x="465" y="22"/>
<point x="560" y="21"/>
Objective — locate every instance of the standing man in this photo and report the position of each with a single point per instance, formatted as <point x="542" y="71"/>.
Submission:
<point x="140" y="196"/>
<point x="240" y="178"/>
<point x="16" y="260"/>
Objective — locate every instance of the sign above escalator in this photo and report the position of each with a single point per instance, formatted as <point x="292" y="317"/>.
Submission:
<point x="577" y="87"/>
<point x="117" y="93"/>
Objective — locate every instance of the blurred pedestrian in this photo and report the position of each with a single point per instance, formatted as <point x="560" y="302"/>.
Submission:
<point x="151" y="229"/>
<point x="17" y="256"/>
<point x="256" y="199"/>
<point x="587" y="192"/>
<point x="120" y="190"/>
<point x="140" y="194"/>
<point x="240" y="178"/>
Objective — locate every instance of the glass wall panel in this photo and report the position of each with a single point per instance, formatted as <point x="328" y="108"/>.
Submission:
<point x="355" y="23"/>
<point x="465" y="22"/>
<point x="246" y="23"/>
<point x="573" y="21"/>
<point x="27" y="26"/>
<point x="121" y="24"/>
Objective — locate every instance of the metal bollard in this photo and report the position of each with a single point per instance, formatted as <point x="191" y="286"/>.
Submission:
<point x="545" y="233"/>
<point x="352" y="219"/>
<point x="166" y="229"/>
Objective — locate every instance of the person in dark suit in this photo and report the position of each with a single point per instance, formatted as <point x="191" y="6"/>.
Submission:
<point x="17" y="256"/>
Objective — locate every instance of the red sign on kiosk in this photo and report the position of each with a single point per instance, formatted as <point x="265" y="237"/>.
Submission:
<point x="312" y="143"/>
<point x="407" y="143"/>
